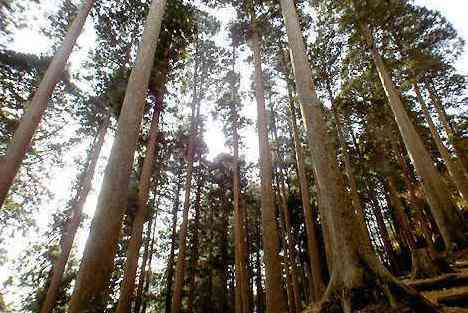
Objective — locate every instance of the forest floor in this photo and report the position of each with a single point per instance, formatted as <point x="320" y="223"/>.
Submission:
<point x="449" y="290"/>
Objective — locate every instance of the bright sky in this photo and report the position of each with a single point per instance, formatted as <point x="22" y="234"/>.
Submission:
<point x="30" y="40"/>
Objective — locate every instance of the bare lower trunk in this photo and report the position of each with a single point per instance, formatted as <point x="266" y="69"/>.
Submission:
<point x="133" y="250"/>
<point x="447" y="216"/>
<point x="275" y="301"/>
<point x="356" y="272"/>
<point x="74" y="223"/>
<point x="148" y="274"/>
<point x="170" y="262"/>
<point x="318" y="282"/>
<point x="98" y="257"/>
<point x="195" y="254"/>
<point x="34" y="111"/>
<point x="141" y="279"/>
<point x="455" y="167"/>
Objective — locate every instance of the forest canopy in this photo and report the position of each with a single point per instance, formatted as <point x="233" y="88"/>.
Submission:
<point x="232" y="156"/>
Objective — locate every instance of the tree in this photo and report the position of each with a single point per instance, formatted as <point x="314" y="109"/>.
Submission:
<point x="24" y="133"/>
<point x="100" y="249"/>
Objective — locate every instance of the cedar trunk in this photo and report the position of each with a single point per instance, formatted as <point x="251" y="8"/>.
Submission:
<point x="455" y="167"/>
<point x="133" y="250"/>
<point x="98" y="257"/>
<point x="74" y="223"/>
<point x="275" y="301"/>
<point x="34" y="111"/>
<point x="356" y="272"/>
<point x="447" y="216"/>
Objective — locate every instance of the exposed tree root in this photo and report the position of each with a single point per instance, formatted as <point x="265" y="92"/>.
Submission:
<point x="425" y="266"/>
<point x="370" y="288"/>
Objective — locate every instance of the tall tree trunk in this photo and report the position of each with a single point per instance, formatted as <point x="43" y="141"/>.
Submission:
<point x="260" y="294"/>
<point x="170" y="262"/>
<point x="355" y="268"/>
<point x="455" y="167"/>
<point x="134" y="245"/>
<point x="21" y="141"/>
<point x="453" y="138"/>
<point x="147" y="277"/>
<point x="195" y="254"/>
<point x="98" y="257"/>
<point x="275" y="301"/>
<point x="318" y="282"/>
<point x="447" y="216"/>
<point x="148" y="246"/>
<point x="288" y="234"/>
<point x="181" y="258"/>
<point x="74" y="223"/>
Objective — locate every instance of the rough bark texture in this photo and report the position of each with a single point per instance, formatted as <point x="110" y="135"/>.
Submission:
<point x="21" y="141"/>
<point x="133" y="250"/>
<point x="275" y="301"/>
<point x="445" y="213"/>
<point x="455" y="167"/>
<point x="358" y="278"/>
<point x="98" y="258"/>
<point x="74" y="223"/>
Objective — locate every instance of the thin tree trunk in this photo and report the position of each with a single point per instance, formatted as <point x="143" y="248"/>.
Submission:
<point x="195" y="251"/>
<point x="260" y="294"/>
<point x="181" y="258"/>
<point x="445" y="213"/>
<point x="455" y="167"/>
<point x="98" y="257"/>
<point x="133" y="250"/>
<point x="290" y="247"/>
<point x="74" y="223"/>
<point x="170" y="262"/>
<point x="148" y="275"/>
<point x="141" y="278"/>
<point x="21" y="141"/>
<point x="275" y="301"/>
<point x="318" y="282"/>
<point x="452" y="136"/>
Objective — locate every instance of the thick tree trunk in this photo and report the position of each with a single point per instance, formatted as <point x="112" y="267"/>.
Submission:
<point x="447" y="216"/>
<point x="74" y="223"/>
<point x="170" y="262"/>
<point x="275" y="301"/>
<point x="134" y="245"/>
<point x="455" y="167"/>
<point x="181" y="258"/>
<point x="98" y="258"/>
<point x="34" y="111"/>
<point x="318" y="282"/>
<point x="356" y="272"/>
<point x="453" y="138"/>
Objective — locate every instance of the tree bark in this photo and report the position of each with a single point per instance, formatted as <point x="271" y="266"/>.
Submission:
<point x="455" y="167"/>
<point x="275" y="301"/>
<point x="170" y="262"/>
<point x="353" y="261"/>
<point x="77" y="209"/>
<point x="318" y="281"/>
<point x="445" y="213"/>
<point x="98" y="257"/>
<point x="21" y="141"/>
<point x="134" y="245"/>
<point x="195" y="253"/>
